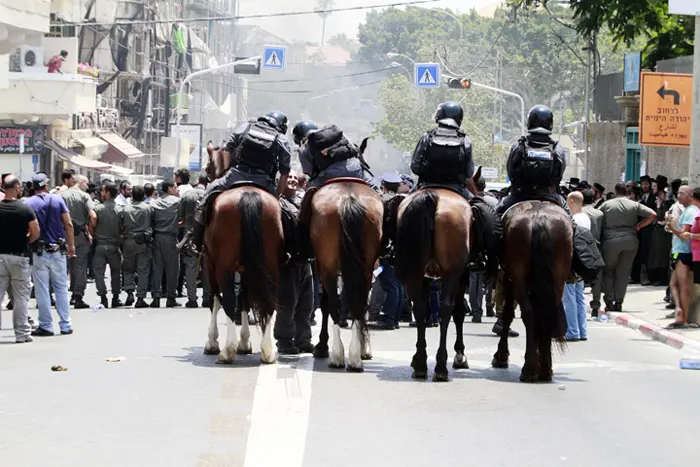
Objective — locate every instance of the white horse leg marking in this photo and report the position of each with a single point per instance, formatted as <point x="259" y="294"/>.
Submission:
<point x="231" y="343"/>
<point x="338" y="351"/>
<point x="355" y="352"/>
<point x="244" y="346"/>
<point x="267" y="349"/>
<point x="367" y="349"/>
<point x="212" y="345"/>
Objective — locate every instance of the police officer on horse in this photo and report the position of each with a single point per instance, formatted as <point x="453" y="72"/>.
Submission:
<point x="259" y="151"/>
<point x="443" y="155"/>
<point x="536" y="165"/>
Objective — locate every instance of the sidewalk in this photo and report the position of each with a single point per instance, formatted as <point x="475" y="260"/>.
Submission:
<point x="644" y="310"/>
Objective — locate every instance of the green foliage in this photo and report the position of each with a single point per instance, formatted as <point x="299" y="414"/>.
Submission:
<point x="665" y="36"/>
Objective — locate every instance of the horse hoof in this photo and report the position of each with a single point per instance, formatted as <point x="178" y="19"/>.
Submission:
<point x="440" y="377"/>
<point x="496" y="363"/>
<point x="460" y="362"/>
<point x="211" y="349"/>
<point x="221" y="360"/>
<point x="527" y="378"/>
<point x="544" y="378"/>
<point x="268" y="362"/>
<point x="352" y="369"/>
<point x="321" y="352"/>
<point x="247" y="351"/>
<point x="366" y="356"/>
<point x="419" y="374"/>
<point x="337" y="366"/>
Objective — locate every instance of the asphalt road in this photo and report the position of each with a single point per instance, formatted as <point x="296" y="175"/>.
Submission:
<point x="618" y="399"/>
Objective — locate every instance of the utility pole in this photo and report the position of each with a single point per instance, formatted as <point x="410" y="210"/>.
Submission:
<point x="587" y="117"/>
<point x="694" y="155"/>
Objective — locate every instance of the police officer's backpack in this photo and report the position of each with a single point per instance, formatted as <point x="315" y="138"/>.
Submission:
<point x="444" y="155"/>
<point x="538" y="162"/>
<point x="257" y="147"/>
<point x="328" y="145"/>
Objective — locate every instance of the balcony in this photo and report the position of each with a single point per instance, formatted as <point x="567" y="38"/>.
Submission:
<point x="48" y="96"/>
<point x="205" y="7"/>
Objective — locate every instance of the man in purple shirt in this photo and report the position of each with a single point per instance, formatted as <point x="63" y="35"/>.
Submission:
<point x="54" y="244"/>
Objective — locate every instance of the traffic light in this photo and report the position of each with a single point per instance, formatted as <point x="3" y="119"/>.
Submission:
<point x="455" y="83"/>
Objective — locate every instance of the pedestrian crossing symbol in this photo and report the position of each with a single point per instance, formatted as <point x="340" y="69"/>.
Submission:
<point x="274" y="57"/>
<point x="427" y="75"/>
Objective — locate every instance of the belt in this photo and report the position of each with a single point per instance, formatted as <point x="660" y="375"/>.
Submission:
<point x="251" y="170"/>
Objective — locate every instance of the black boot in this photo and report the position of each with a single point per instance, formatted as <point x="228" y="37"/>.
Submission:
<point x="141" y="303"/>
<point x="191" y="243"/>
<point x="116" y="303"/>
<point x="129" y="298"/>
<point x="80" y="303"/>
<point x="104" y="301"/>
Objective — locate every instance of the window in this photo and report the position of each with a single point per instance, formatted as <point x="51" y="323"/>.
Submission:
<point x="633" y="159"/>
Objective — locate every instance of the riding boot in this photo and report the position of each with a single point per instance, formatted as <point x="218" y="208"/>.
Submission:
<point x="291" y="249"/>
<point x="306" y="250"/>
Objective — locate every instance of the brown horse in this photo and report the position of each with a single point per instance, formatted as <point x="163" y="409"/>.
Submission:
<point x="244" y="236"/>
<point x="345" y="222"/>
<point x="535" y="277"/>
<point x="433" y="239"/>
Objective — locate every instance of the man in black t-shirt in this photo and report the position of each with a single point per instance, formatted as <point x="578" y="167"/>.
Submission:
<point x="19" y="229"/>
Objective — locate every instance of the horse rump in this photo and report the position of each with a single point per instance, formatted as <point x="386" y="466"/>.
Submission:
<point x="415" y="233"/>
<point x="548" y="313"/>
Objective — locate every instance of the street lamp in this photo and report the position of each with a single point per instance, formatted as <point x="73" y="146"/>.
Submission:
<point x="395" y="55"/>
<point x="459" y="23"/>
<point x="188" y="78"/>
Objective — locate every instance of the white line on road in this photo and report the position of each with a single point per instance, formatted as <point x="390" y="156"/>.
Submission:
<point x="280" y="415"/>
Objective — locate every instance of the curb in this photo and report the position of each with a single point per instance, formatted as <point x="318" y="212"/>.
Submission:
<point x="655" y="332"/>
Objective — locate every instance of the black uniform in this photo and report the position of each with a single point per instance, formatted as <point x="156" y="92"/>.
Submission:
<point x="443" y="157"/>
<point x="536" y="166"/>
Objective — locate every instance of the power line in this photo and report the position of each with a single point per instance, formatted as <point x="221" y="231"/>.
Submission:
<point x="348" y="75"/>
<point x="235" y="18"/>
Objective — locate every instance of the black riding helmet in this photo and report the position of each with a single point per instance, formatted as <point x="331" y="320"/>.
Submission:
<point x="540" y="120"/>
<point x="451" y="110"/>
<point x="277" y="119"/>
<point x="301" y="129"/>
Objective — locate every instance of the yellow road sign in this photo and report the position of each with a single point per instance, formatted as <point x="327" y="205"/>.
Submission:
<point x="665" y="109"/>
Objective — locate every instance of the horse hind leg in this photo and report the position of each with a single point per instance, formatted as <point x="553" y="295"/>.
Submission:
<point x="333" y="307"/>
<point x="321" y="349"/>
<point x="212" y="345"/>
<point x="419" y="363"/>
<point x="244" y="345"/>
<point x="530" y="369"/>
<point x="449" y="289"/>
<point x="355" y="351"/>
<point x="229" y="303"/>
<point x="500" y="358"/>
<point x="267" y="348"/>
<point x="366" y="346"/>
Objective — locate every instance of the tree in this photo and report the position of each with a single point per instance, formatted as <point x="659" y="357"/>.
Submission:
<point x="665" y="35"/>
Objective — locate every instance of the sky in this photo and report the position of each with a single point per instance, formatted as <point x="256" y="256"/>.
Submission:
<point x="308" y="28"/>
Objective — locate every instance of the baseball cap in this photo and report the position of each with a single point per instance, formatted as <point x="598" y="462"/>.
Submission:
<point x="40" y="180"/>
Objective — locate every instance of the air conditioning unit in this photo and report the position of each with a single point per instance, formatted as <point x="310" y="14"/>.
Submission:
<point x="32" y="60"/>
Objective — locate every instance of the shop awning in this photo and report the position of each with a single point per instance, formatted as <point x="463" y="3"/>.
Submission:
<point x="121" y="145"/>
<point x="92" y="147"/>
<point x="74" y="158"/>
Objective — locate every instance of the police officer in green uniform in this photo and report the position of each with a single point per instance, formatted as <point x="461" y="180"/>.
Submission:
<point x="165" y="254"/>
<point x="189" y="201"/>
<point x="137" y="232"/>
<point x="107" y="236"/>
<point x="82" y="212"/>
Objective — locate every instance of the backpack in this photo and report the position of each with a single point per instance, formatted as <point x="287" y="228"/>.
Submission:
<point x="257" y="147"/>
<point x="444" y="156"/>
<point x="328" y="145"/>
<point x="538" y="162"/>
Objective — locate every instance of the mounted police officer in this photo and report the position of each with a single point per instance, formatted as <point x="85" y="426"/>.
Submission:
<point x="443" y="156"/>
<point x="301" y="129"/>
<point x="536" y="167"/>
<point x="326" y="154"/>
<point x="259" y="150"/>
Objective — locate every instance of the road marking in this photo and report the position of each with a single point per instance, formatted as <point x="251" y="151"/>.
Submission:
<point x="280" y="415"/>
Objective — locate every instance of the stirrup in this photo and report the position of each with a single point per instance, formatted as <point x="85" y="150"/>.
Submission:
<point x="190" y="249"/>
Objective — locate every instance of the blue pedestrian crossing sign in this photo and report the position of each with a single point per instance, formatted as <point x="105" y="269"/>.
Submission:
<point x="274" y="57"/>
<point x="427" y="75"/>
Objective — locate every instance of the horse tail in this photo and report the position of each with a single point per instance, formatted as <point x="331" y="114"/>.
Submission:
<point x="352" y="256"/>
<point x="256" y="280"/>
<point x="414" y="235"/>
<point x="547" y="310"/>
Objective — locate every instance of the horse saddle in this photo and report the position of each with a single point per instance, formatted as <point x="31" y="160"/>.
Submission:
<point x="244" y="183"/>
<point x="344" y="180"/>
<point x="534" y="198"/>
<point x="439" y="186"/>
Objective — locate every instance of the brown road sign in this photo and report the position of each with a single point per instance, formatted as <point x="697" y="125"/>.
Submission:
<point x="665" y="109"/>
